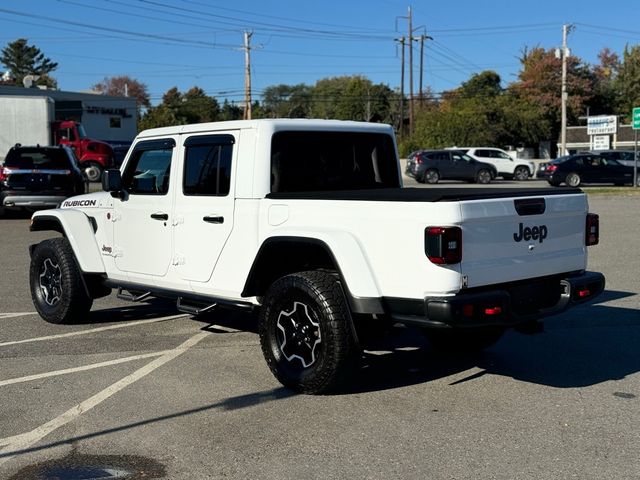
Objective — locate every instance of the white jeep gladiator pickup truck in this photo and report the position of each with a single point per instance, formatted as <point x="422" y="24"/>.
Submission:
<point x="307" y="221"/>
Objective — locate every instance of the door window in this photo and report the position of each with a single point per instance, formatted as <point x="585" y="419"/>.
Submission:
<point x="207" y="165"/>
<point x="148" y="169"/>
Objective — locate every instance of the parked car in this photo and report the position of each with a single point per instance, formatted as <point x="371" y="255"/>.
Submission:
<point x="542" y="167"/>
<point x="624" y="157"/>
<point x="575" y="170"/>
<point x="508" y="167"/>
<point x="39" y="177"/>
<point x="430" y="166"/>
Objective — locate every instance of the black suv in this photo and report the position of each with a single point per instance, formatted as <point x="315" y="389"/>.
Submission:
<point x="430" y="166"/>
<point x="39" y="177"/>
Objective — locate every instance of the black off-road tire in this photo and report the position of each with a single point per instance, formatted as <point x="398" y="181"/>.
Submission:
<point x="463" y="340"/>
<point x="313" y="299"/>
<point x="57" y="289"/>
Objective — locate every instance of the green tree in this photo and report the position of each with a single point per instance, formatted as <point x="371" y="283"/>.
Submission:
<point x="287" y="101"/>
<point x="352" y="98"/>
<point x="193" y="106"/>
<point x="605" y="101"/>
<point x="230" y="111"/>
<point x="627" y="83"/>
<point x="23" y="59"/>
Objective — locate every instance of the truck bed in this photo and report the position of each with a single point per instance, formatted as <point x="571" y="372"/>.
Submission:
<point x="423" y="194"/>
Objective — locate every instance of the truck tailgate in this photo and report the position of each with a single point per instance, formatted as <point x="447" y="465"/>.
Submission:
<point x="510" y="239"/>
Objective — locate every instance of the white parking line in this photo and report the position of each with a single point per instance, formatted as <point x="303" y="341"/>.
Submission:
<point x="83" y="368"/>
<point x="92" y="330"/>
<point x="16" y="314"/>
<point x="26" y="440"/>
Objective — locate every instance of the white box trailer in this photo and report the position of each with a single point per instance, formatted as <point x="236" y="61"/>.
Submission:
<point x="25" y="120"/>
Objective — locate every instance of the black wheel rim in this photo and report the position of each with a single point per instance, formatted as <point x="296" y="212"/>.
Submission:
<point x="50" y="282"/>
<point x="299" y="335"/>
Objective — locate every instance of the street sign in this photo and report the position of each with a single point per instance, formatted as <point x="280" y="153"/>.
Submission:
<point x="636" y="118"/>
<point x="604" y="125"/>
<point x="601" y="142"/>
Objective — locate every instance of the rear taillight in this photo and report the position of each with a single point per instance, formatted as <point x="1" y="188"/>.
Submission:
<point x="3" y="174"/>
<point x="592" y="230"/>
<point x="418" y="160"/>
<point x="443" y="245"/>
<point x="551" y="168"/>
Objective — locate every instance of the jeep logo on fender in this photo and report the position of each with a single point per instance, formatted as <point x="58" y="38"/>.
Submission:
<point x="79" y="203"/>
<point x="531" y="233"/>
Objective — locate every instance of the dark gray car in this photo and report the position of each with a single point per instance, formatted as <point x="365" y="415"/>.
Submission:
<point x="431" y="166"/>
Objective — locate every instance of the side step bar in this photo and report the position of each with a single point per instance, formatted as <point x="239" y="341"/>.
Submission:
<point x="193" y="308"/>
<point x="132" y="295"/>
<point x="192" y="304"/>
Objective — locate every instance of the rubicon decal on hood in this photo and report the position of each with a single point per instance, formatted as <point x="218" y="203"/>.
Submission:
<point x="78" y="203"/>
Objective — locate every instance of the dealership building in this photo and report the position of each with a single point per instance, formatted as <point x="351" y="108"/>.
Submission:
<point x="108" y="118"/>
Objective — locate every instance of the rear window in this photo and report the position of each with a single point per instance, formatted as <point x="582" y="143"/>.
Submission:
<point x="38" y="159"/>
<point x="307" y="161"/>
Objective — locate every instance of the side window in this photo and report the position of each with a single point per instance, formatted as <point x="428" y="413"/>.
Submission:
<point x="148" y="169"/>
<point x="484" y="153"/>
<point x="207" y="165"/>
<point x="460" y="157"/>
<point x="502" y="155"/>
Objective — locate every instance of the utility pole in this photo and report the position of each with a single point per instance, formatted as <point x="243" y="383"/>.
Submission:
<point x="247" y="75"/>
<point x="565" y="53"/>
<point x="423" y="37"/>
<point x="410" y="71"/>
<point x="401" y="40"/>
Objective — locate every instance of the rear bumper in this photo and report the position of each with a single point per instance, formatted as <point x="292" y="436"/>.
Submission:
<point x="32" y="201"/>
<point x="508" y="306"/>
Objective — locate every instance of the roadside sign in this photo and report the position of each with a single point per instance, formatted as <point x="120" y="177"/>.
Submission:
<point x="604" y="125"/>
<point x="601" y="142"/>
<point x="636" y="118"/>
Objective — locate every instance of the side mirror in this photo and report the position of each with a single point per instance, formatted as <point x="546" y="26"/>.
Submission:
<point x="112" y="182"/>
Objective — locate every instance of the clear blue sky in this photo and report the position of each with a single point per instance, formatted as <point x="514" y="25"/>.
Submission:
<point x="166" y="43"/>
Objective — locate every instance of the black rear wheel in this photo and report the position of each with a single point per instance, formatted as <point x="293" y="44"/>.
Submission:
<point x="431" y="176"/>
<point x="573" y="179"/>
<point x="306" y="332"/>
<point x="483" y="176"/>
<point x="57" y="289"/>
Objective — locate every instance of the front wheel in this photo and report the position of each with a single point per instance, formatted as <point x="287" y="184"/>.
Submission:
<point x="467" y="340"/>
<point x="573" y="179"/>
<point x="93" y="171"/>
<point x="57" y="289"/>
<point x="306" y="332"/>
<point x="521" y="173"/>
<point x="483" y="176"/>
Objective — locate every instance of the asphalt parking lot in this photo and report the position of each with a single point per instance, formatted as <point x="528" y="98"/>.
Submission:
<point x="142" y="390"/>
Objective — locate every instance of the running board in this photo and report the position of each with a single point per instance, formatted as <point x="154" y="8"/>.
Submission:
<point x="193" y="308"/>
<point x="132" y="296"/>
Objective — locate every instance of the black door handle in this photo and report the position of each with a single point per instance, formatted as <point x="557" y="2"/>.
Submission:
<point x="213" y="219"/>
<point x="160" y="216"/>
